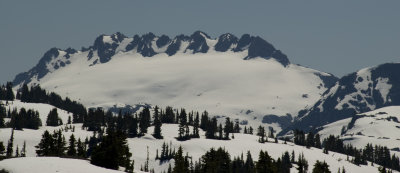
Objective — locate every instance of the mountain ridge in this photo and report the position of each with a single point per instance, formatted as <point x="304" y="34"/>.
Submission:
<point x="107" y="46"/>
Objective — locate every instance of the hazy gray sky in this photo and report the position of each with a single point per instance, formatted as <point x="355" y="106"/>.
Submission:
<point x="338" y="36"/>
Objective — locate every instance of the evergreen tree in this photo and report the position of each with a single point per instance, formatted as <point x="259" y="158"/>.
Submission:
<point x="196" y="126"/>
<point x="321" y="167"/>
<point x="250" y="130"/>
<point x="157" y="124"/>
<point x="53" y="119"/>
<point x="261" y="134"/>
<point x="180" y="163"/>
<point x="9" y="92"/>
<point x="265" y="163"/>
<point x="302" y="164"/>
<point x="81" y="149"/>
<point x="217" y="161"/>
<point x="144" y="121"/>
<point x="10" y="144"/>
<point x="249" y="164"/>
<point x="317" y="141"/>
<point x="46" y="146"/>
<point x="227" y="128"/>
<point x="23" y="150"/>
<point x="71" y="148"/>
<point x="2" y="148"/>
<point x="112" y="151"/>
<point x="17" y="152"/>
<point x="310" y="140"/>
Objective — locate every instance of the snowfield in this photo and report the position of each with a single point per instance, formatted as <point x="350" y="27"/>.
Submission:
<point x="51" y="165"/>
<point x="220" y="82"/>
<point x="380" y="127"/>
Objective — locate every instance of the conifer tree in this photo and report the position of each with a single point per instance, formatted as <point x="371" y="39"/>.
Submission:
<point x="249" y="164"/>
<point x="53" y="119"/>
<point x="23" y="150"/>
<point x="10" y="144"/>
<point x="196" y="126"/>
<point x="2" y="148"/>
<point x="157" y="124"/>
<point x="180" y="162"/>
<point x="46" y="145"/>
<point x="261" y="134"/>
<point x="71" y="148"/>
<point x="17" y="152"/>
<point x="321" y="167"/>
<point x="112" y="151"/>
<point x="144" y="121"/>
<point x="81" y="149"/>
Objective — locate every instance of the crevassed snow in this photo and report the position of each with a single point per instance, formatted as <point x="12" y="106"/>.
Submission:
<point x="383" y="87"/>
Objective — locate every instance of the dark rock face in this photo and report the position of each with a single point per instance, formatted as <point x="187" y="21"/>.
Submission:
<point x="176" y="44"/>
<point x="225" y="41"/>
<point x="105" y="50"/>
<point x="198" y="42"/>
<point x="284" y="121"/>
<point x="244" y="41"/>
<point x="327" y="110"/>
<point x="162" y="41"/>
<point x="40" y="69"/>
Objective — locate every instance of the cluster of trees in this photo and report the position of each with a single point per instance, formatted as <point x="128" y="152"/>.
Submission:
<point x="376" y="154"/>
<point x="24" y="119"/>
<point x="167" y="153"/>
<point x="8" y="152"/>
<point x="184" y="122"/>
<point x="219" y="160"/>
<point x="6" y="92"/>
<point x="109" y="151"/>
<point x="312" y="140"/>
<point x="35" y="94"/>
<point x="215" y="131"/>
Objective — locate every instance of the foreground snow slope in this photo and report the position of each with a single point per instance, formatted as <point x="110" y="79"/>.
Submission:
<point x="380" y="127"/>
<point x="51" y="165"/>
<point x="138" y="146"/>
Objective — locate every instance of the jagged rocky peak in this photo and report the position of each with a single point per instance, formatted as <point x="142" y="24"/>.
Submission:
<point x="226" y="42"/>
<point x="148" y="45"/>
<point x="198" y="42"/>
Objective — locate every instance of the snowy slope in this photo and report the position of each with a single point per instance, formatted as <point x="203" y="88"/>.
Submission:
<point x="362" y="91"/>
<point x="51" y="165"/>
<point x="221" y="82"/>
<point x="43" y="109"/>
<point x="380" y="127"/>
<point x="138" y="146"/>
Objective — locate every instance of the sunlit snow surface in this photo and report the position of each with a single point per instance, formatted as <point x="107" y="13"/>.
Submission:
<point x="220" y="82"/>
<point x="376" y="127"/>
<point x="138" y="146"/>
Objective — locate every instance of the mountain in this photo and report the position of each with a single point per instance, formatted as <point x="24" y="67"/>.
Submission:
<point x="379" y="127"/>
<point x="362" y="91"/>
<point x="244" y="78"/>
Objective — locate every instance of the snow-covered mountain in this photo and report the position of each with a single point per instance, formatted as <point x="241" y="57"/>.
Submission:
<point x="362" y="91"/>
<point x="379" y="127"/>
<point x="245" y="78"/>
